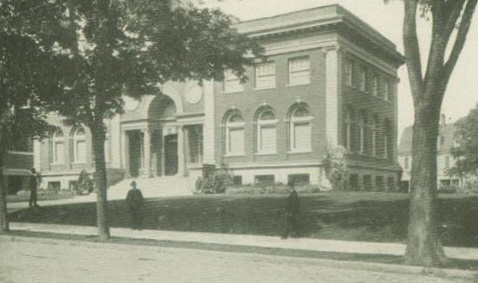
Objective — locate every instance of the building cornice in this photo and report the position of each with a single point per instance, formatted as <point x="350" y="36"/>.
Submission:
<point x="325" y="18"/>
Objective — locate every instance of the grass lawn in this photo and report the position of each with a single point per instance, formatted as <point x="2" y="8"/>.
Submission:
<point x="41" y="196"/>
<point x="358" y="216"/>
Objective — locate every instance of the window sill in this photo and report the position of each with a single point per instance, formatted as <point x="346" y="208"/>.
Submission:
<point x="79" y="163"/>
<point x="265" y="87"/>
<point x="299" y="151"/>
<point x="297" y="84"/>
<point x="265" y="153"/>
<point x="234" y="155"/>
<point x="233" y="91"/>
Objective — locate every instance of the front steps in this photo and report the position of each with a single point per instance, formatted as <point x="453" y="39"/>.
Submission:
<point x="154" y="187"/>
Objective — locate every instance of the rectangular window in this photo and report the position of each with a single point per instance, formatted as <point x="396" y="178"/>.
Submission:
<point x="406" y="163"/>
<point x="237" y="180"/>
<point x="232" y="82"/>
<point x="386" y="90"/>
<point x="265" y="75"/>
<point x="264" y="180"/>
<point x="267" y="139"/>
<point x="363" y="79"/>
<point x="80" y="153"/>
<point x="301" y="137"/>
<point x="447" y="161"/>
<point x="367" y="182"/>
<point x="59" y="152"/>
<point x="236" y="141"/>
<point x="374" y="85"/>
<point x="349" y="72"/>
<point x="54" y="186"/>
<point x="299" y="179"/>
<point x="299" y="71"/>
<point x="379" y="183"/>
<point x="391" y="183"/>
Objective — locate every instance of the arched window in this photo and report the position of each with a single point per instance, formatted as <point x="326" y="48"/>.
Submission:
<point x="266" y="132"/>
<point x="300" y="129"/>
<point x="79" y="145"/>
<point x="234" y="134"/>
<point x="58" y="147"/>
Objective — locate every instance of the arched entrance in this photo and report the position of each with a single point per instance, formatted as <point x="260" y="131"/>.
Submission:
<point x="164" y="140"/>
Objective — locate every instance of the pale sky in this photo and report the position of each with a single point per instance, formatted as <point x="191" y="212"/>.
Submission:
<point x="462" y="92"/>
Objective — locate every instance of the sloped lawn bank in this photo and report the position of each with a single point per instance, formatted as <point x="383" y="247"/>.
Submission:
<point x="358" y="216"/>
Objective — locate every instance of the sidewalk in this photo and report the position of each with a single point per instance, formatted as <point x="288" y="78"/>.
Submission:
<point x="245" y="240"/>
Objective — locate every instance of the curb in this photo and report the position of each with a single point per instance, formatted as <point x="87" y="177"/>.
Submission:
<point x="341" y="264"/>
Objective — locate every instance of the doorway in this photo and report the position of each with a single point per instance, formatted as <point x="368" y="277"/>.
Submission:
<point x="135" y="152"/>
<point x="171" y="155"/>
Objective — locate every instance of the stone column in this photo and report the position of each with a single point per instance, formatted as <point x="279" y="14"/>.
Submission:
<point x="181" y="165"/>
<point x="186" y="151"/>
<point x="209" y="134"/>
<point x="125" y="153"/>
<point x="147" y="153"/>
<point x="332" y="90"/>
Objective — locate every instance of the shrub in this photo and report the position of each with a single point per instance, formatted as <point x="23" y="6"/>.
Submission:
<point x="450" y="189"/>
<point x="277" y="188"/>
<point x="217" y="183"/>
<point x="336" y="168"/>
<point x="470" y="187"/>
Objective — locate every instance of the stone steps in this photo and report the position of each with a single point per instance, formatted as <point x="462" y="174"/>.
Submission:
<point x="154" y="187"/>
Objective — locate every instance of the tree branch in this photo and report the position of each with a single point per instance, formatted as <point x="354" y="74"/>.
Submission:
<point x="412" y="48"/>
<point x="454" y="9"/>
<point x="460" y="39"/>
<point x="437" y="45"/>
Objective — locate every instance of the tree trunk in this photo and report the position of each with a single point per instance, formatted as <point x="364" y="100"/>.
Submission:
<point x="98" y="140"/>
<point x="3" y="200"/>
<point x="424" y="245"/>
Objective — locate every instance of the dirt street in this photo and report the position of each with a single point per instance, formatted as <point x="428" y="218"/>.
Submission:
<point x="61" y="261"/>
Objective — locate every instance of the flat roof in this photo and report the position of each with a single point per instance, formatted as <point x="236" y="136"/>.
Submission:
<point x="318" y="17"/>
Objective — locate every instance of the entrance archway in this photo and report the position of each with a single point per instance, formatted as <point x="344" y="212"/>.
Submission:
<point x="164" y="141"/>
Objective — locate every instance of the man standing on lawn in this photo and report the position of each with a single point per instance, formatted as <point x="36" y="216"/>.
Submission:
<point x="135" y="202"/>
<point x="33" y="187"/>
<point x="292" y="213"/>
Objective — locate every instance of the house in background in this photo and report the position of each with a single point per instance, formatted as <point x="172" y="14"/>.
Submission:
<point x="18" y="164"/>
<point x="445" y="160"/>
<point x="329" y="80"/>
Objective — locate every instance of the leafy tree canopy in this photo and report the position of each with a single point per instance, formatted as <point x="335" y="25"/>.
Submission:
<point x="466" y="149"/>
<point x="27" y="71"/>
<point x="129" y="47"/>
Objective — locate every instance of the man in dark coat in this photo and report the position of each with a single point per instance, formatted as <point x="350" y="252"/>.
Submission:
<point x="135" y="202"/>
<point x="292" y="213"/>
<point x="33" y="187"/>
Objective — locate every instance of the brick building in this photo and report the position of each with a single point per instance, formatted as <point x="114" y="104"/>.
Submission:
<point x="329" y="80"/>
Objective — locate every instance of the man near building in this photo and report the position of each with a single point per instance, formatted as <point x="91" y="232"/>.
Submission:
<point x="135" y="202"/>
<point x="33" y="187"/>
<point x="292" y="213"/>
